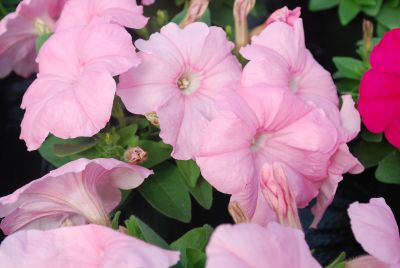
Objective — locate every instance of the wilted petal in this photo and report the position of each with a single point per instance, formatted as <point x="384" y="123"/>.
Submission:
<point x="82" y="191"/>
<point x="88" y="246"/>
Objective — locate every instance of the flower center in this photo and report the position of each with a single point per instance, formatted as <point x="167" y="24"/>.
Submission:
<point x="41" y="27"/>
<point x="258" y="141"/>
<point x="294" y="83"/>
<point x="188" y="82"/>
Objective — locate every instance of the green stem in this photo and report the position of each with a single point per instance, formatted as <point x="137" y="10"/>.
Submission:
<point x="118" y="112"/>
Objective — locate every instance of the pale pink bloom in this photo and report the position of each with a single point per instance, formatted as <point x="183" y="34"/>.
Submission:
<point x="19" y="31"/>
<point x="348" y="123"/>
<point x="82" y="191"/>
<point x="148" y="2"/>
<point x="285" y="15"/>
<point x="74" y="92"/>
<point x="181" y="74"/>
<point x="277" y="192"/>
<point x="252" y="246"/>
<point x="375" y="228"/>
<point x="261" y="127"/>
<point x="82" y="12"/>
<point x="89" y="246"/>
<point x="279" y="59"/>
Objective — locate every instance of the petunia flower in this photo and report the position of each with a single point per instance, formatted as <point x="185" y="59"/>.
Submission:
<point x="74" y="91"/>
<point x="19" y="31"/>
<point x="379" y="101"/>
<point x="375" y="228"/>
<point x="261" y="127"/>
<point x="80" y="192"/>
<point x="181" y="74"/>
<point x="90" y="246"/>
<point x="82" y="12"/>
<point x="279" y="59"/>
<point x="252" y="246"/>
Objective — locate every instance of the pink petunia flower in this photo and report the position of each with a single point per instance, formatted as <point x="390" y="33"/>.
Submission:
<point x="252" y="246"/>
<point x="375" y="228"/>
<point x="19" y="31"/>
<point x="89" y="246"/>
<point x="279" y="59"/>
<point x="80" y="192"/>
<point x="261" y="127"/>
<point x="379" y="102"/>
<point x="181" y="74"/>
<point x="82" y="12"/>
<point x="74" y="91"/>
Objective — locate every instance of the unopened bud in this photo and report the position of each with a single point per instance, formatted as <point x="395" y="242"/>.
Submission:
<point x="279" y="196"/>
<point x="283" y="14"/>
<point x="237" y="213"/>
<point x="195" y="11"/>
<point x="123" y="229"/>
<point x="153" y="118"/>
<point x="162" y="17"/>
<point x="135" y="155"/>
<point x="241" y="10"/>
<point x="368" y="31"/>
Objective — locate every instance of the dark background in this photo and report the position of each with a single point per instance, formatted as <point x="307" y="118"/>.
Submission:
<point x="325" y="38"/>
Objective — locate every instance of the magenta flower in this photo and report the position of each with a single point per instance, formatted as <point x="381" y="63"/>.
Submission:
<point x="75" y="64"/>
<point x="82" y="191"/>
<point x="279" y="59"/>
<point x="379" y="101"/>
<point x="82" y="12"/>
<point x="252" y="246"/>
<point x="375" y="228"/>
<point x="18" y="33"/>
<point x="90" y="246"/>
<point x="181" y="74"/>
<point x="262" y="127"/>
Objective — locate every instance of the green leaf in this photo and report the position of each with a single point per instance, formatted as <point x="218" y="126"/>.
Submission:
<point x="146" y="233"/>
<point x="339" y="262"/>
<point x="369" y="154"/>
<point x="371" y="137"/>
<point x="349" y="67"/>
<point x="393" y="3"/>
<point x="373" y="10"/>
<point x="74" y="146"/>
<point x="346" y="86"/>
<point x="157" y="152"/>
<point x="348" y="10"/>
<point x="193" y="258"/>
<point x="128" y="137"/>
<point x="389" y="16"/>
<point x="47" y="152"/>
<point x="203" y="193"/>
<point x="388" y="170"/>
<point x="167" y="193"/>
<point x="115" y="220"/>
<point x="366" y="2"/>
<point x="317" y="5"/>
<point x="41" y="40"/>
<point x="189" y="170"/>
<point x="196" y="238"/>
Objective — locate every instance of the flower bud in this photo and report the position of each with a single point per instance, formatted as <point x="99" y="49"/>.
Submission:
<point x="135" y="155"/>
<point x="153" y="118"/>
<point x="241" y="10"/>
<point x="237" y="213"/>
<point x="279" y="196"/>
<point x="368" y="31"/>
<point x="195" y="11"/>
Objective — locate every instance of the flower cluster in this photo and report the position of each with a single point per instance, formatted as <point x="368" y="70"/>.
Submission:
<point x="271" y="134"/>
